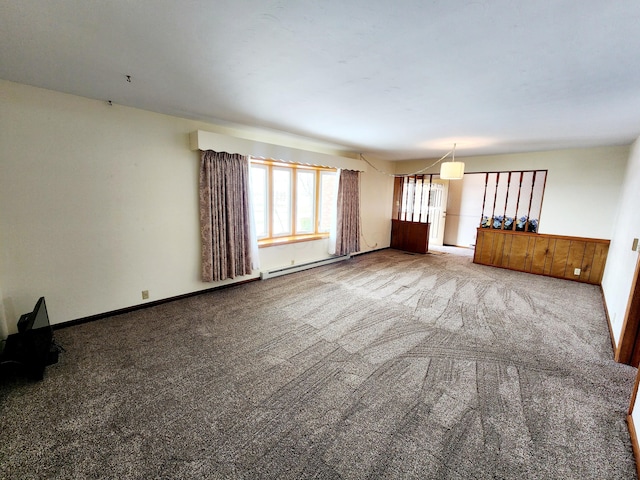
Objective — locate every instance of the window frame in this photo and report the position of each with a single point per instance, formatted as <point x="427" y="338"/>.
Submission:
<point x="270" y="239"/>
<point x="314" y="203"/>
<point x="291" y="180"/>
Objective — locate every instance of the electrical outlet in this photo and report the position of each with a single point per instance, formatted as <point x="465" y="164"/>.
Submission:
<point x="634" y="246"/>
<point x="145" y="294"/>
<point x="576" y="271"/>
<point x="293" y="262"/>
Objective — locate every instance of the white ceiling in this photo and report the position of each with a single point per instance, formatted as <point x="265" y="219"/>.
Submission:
<point x="394" y="79"/>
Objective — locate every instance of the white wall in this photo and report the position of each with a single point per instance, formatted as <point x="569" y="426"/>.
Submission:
<point x="621" y="260"/>
<point x="464" y="209"/>
<point x="582" y="190"/>
<point x="376" y="205"/>
<point x="100" y="202"/>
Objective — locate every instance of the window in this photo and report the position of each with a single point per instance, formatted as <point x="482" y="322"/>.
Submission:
<point x="291" y="202"/>
<point x="281" y="189"/>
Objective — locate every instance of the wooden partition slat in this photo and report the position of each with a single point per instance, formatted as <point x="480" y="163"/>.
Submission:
<point x="497" y="252"/>
<point x="506" y="252"/>
<point x="575" y="258"/>
<point x="519" y="252"/>
<point x="540" y="255"/>
<point x="560" y="255"/>
<point x="528" y="259"/>
<point x="599" y="259"/>
<point x="551" y="255"/>
<point x="587" y="261"/>
<point x="397" y="197"/>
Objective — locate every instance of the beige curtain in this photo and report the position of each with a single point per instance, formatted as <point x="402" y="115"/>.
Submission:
<point x="224" y="216"/>
<point x="348" y="217"/>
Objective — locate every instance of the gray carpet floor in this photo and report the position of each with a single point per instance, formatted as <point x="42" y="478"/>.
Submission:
<point x="387" y="365"/>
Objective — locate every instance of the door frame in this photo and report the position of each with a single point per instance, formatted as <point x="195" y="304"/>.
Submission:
<point x="442" y="218"/>
<point x="628" y="350"/>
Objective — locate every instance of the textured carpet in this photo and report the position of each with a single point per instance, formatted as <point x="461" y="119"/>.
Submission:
<point x="385" y="366"/>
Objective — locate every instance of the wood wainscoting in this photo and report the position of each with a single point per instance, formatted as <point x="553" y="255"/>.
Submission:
<point x="551" y="255"/>
<point x="410" y="236"/>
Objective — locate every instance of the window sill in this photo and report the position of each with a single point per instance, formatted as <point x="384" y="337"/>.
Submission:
<point x="274" y="242"/>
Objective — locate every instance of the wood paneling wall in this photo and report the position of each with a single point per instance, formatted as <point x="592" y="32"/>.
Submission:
<point x="551" y="255"/>
<point x="410" y="236"/>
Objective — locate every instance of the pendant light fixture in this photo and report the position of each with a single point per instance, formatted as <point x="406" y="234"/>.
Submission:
<point x="452" y="170"/>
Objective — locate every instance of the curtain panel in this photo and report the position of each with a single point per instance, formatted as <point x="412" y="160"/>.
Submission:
<point x="348" y="215"/>
<point x="224" y="216"/>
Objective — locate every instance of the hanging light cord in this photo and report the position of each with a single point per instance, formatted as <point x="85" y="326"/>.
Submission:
<point x="452" y="152"/>
<point x="409" y="174"/>
<point x="393" y="175"/>
<point x="360" y="216"/>
<point x="453" y="159"/>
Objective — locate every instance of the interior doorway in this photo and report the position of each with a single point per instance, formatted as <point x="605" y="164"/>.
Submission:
<point x="437" y="205"/>
<point x="464" y="210"/>
<point x="419" y="212"/>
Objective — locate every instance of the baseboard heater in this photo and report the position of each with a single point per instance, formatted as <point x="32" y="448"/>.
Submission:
<point x="276" y="272"/>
